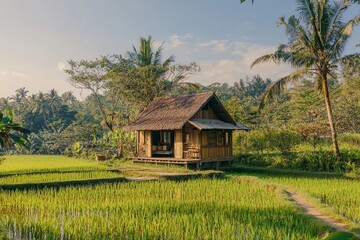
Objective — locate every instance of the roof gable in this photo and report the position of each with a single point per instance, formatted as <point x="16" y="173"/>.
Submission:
<point x="171" y="113"/>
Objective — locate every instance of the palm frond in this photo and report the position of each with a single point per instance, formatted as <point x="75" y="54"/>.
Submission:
<point x="274" y="57"/>
<point x="343" y="34"/>
<point x="351" y="60"/>
<point x="335" y="15"/>
<point x="278" y="86"/>
<point x="307" y="10"/>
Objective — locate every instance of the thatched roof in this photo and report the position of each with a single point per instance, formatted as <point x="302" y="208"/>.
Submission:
<point x="171" y="113"/>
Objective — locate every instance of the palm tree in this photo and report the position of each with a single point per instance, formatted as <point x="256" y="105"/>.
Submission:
<point x="252" y="1"/>
<point x="69" y="98"/>
<point x="22" y="92"/>
<point x="7" y="129"/>
<point x="53" y="100"/>
<point x="316" y="41"/>
<point x="41" y="106"/>
<point x="163" y="74"/>
<point x="146" y="56"/>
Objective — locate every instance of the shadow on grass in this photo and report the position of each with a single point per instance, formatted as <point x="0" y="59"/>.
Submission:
<point x="60" y="184"/>
<point x="284" y="172"/>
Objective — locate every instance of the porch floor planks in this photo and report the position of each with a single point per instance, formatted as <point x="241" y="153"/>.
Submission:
<point x="177" y="161"/>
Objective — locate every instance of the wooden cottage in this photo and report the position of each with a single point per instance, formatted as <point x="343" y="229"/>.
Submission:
<point x="188" y="129"/>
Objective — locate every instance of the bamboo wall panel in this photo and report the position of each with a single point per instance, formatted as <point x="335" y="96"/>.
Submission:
<point x="216" y="152"/>
<point x="178" y="145"/>
<point x="148" y="143"/>
<point x="141" y="147"/>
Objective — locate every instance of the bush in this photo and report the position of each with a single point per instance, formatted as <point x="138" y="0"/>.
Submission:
<point x="321" y="160"/>
<point x="283" y="141"/>
<point x="350" y="138"/>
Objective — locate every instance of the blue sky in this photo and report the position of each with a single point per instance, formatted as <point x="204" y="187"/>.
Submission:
<point x="223" y="37"/>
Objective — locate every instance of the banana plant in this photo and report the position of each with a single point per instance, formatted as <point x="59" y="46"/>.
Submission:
<point x="11" y="133"/>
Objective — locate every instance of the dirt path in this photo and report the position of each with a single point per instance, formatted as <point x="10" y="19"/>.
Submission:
<point x="313" y="211"/>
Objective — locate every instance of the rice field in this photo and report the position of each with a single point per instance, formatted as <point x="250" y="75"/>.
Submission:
<point x="46" y="163"/>
<point x="342" y="195"/>
<point x="56" y="177"/>
<point x="196" y="209"/>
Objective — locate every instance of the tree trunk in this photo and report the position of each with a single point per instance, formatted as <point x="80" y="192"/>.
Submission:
<point x="103" y="114"/>
<point x="330" y="117"/>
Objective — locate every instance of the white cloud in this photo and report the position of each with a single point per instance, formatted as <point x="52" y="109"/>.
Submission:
<point x="18" y="74"/>
<point x="176" y="41"/>
<point x="217" y="46"/>
<point x="235" y="59"/>
<point x="12" y="73"/>
<point x="157" y="44"/>
<point x="61" y="66"/>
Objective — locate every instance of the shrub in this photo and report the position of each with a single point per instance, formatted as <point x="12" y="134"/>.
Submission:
<point x="350" y="138"/>
<point x="312" y="132"/>
<point x="283" y="141"/>
<point x="321" y="160"/>
<point x="257" y="141"/>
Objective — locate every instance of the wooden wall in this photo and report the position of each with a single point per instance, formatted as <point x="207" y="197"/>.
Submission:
<point x="148" y="144"/>
<point x="206" y="114"/>
<point x="178" y="144"/>
<point x="141" y="146"/>
<point x="215" y="151"/>
<point x="198" y="138"/>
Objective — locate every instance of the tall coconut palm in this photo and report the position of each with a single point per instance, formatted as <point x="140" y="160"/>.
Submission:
<point x="22" y="92"/>
<point x="53" y="100"/>
<point x="146" y="55"/>
<point x="8" y="137"/>
<point x="166" y="75"/>
<point x="40" y="105"/>
<point x="316" y="42"/>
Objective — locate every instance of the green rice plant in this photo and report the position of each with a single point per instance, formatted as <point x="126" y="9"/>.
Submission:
<point x="46" y="163"/>
<point x="52" y="177"/>
<point x="341" y="195"/>
<point x="198" y="209"/>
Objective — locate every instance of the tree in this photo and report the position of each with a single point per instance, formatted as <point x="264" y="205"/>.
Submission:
<point x="40" y="106"/>
<point x="253" y="87"/>
<point x="146" y="56"/>
<point x="92" y="75"/>
<point x="143" y="76"/>
<point x="252" y="1"/>
<point x="316" y="41"/>
<point x="7" y="128"/>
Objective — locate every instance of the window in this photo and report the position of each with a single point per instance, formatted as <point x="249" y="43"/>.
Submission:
<point x="220" y="139"/>
<point x="166" y="137"/>
<point x="211" y="138"/>
<point x="188" y="137"/>
<point x="227" y="138"/>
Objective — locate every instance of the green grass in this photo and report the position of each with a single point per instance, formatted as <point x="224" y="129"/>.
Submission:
<point x="196" y="209"/>
<point x="46" y="163"/>
<point x="52" y="177"/>
<point x="335" y="194"/>
<point x="341" y="195"/>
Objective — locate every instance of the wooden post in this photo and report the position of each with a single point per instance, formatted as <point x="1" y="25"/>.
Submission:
<point x="200" y="145"/>
<point x="198" y="165"/>
<point x="217" y="165"/>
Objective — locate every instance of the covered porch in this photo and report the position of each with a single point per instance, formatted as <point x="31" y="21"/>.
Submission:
<point x="198" y="164"/>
